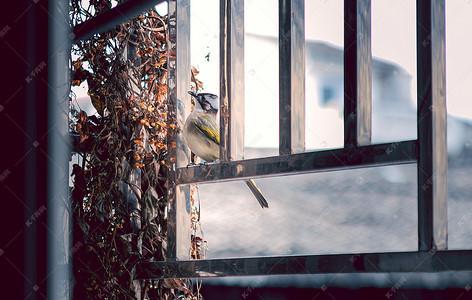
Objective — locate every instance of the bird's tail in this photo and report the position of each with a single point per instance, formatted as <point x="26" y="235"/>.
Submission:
<point x="257" y="193"/>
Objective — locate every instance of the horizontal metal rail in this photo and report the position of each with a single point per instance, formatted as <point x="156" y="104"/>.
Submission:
<point x="113" y="17"/>
<point x="308" y="162"/>
<point x="427" y="261"/>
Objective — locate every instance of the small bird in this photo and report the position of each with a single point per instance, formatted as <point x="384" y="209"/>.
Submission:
<point x="202" y="135"/>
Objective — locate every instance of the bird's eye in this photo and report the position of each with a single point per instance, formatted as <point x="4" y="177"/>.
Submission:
<point x="205" y="105"/>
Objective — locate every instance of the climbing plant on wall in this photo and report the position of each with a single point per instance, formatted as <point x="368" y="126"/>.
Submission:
<point x="119" y="194"/>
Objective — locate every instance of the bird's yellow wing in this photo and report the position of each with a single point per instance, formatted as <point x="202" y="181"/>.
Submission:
<point x="207" y="125"/>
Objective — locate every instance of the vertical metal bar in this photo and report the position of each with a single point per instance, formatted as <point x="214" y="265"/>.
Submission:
<point x="357" y="73"/>
<point x="179" y="104"/>
<point x="224" y="82"/>
<point x="58" y="209"/>
<point x="291" y="76"/>
<point x="231" y="79"/>
<point x="432" y="113"/>
<point x="111" y="18"/>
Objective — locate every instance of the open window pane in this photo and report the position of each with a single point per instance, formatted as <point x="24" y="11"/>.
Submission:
<point x="261" y="54"/>
<point x="393" y="70"/>
<point x="324" y="86"/>
<point x="459" y="122"/>
<point x="363" y="210"/>
<point x="205" y="47"/>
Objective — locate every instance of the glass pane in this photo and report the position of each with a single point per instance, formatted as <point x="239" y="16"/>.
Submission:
<point x="205" y="47"/>
<point x="261" y="134"/>
<point x="459" y="122"/>
<point x="363" y="210"/>
<point x="324" y="87"/>
<point x="393" y="70"/>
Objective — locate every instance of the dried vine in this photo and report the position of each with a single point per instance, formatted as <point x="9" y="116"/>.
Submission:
<point x="119" y="195"/>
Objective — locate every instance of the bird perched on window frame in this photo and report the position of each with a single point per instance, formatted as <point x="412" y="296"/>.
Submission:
<point x="202" y="135"/>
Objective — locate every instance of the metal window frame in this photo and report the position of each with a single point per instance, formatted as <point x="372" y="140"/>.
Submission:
<point x="428" y="150"/>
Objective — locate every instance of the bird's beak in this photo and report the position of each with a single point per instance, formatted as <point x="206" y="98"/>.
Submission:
<point x="192" y="94"/>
